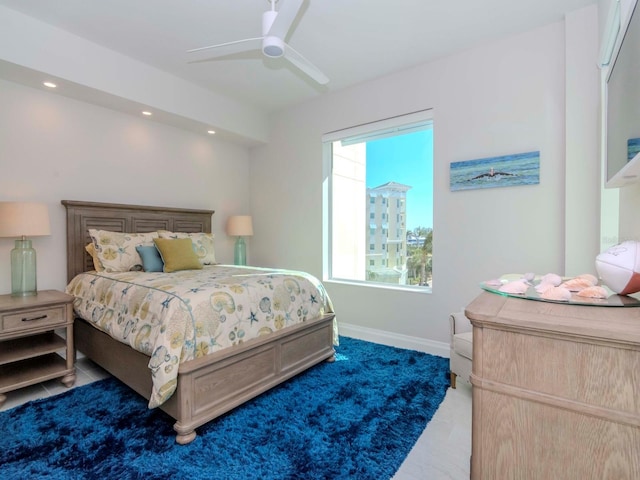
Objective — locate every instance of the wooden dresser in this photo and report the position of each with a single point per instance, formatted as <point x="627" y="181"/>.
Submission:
<point x="556" y="390"/>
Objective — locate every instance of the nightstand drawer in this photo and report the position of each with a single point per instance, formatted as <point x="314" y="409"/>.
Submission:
<point x="33" y="319"/>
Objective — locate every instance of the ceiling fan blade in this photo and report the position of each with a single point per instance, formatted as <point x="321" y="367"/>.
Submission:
<point x="305" y="65"/>
<point x="286" y="15"/>
<point x="223" y="49"/>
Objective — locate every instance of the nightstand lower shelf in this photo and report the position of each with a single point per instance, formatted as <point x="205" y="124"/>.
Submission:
<point x="29" y="347"/>
<point x="35" y="370"/>
<point x="36" y="340"/>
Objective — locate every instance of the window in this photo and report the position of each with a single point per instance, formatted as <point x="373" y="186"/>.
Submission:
<point x="391" y="160"/>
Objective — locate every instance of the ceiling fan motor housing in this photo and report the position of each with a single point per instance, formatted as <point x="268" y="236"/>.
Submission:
<point x="272" y="46"/>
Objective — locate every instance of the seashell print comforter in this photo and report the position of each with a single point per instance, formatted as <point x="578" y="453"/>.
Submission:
<point x="179" y="316"/>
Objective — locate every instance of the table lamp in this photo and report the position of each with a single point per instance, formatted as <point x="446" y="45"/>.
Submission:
<point x="23" y="219"/>
<point x="240" y="226"/>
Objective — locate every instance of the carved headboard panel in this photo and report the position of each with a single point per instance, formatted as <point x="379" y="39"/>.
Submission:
<point x="81" y="216"/>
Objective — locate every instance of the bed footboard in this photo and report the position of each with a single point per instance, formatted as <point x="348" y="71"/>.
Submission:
<point x="212" y="385"/>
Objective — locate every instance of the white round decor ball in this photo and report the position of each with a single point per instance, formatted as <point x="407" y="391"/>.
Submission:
<point x="619" y="267"/>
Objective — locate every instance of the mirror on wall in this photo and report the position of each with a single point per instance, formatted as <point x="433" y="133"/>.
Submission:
<point x="623" y="98"/>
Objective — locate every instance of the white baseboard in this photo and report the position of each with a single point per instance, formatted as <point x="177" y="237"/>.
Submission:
<point x="394" y="339"/>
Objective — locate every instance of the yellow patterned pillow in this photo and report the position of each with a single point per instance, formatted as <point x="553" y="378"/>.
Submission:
<point x="177" y="254"/>
<point x="202" y="244"/>
<point x="91" y="250"/>
<point x="117" y="251"/>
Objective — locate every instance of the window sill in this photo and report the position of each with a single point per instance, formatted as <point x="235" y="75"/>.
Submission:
<point x="384" y="286"/>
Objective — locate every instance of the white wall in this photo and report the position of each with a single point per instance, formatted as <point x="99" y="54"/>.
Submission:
<point x="505" y="97"/>
<point x="629" y="218"/>
<point x="54" y="148"/>
<point x="119" y="81"/>
<point x="583" y="159"/>
<point x="496" y="99"/>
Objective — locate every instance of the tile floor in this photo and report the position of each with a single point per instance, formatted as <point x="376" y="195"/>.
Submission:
<point x="441" y="453"/>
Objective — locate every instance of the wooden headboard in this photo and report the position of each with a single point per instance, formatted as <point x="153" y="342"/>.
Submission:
<point x="81" y="216"/>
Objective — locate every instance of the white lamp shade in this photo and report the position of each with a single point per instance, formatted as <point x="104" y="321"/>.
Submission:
<point x="27" y="219"/>
<point x="240" y="226"/>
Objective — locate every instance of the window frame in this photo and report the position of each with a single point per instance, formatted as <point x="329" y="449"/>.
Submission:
<point x="393" y="126"/>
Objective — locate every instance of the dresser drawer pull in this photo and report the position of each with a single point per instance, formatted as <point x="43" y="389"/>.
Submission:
<point x="34" y="318"/>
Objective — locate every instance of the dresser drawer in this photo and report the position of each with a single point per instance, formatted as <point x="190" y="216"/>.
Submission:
<point x="35" y="318"/>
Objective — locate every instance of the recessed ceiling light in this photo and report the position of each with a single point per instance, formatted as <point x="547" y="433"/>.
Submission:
<point x="49" y="84"/>
<point x="147" y="113"/>
<point x="211" y="132"/>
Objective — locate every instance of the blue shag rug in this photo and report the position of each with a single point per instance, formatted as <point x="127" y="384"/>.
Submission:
<point x="356" y="418"/>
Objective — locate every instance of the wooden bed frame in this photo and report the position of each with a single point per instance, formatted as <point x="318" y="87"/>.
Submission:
<point x="208" y="386"/>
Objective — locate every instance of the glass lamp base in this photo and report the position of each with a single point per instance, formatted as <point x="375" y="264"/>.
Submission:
<point x="23" y="269"/>
<point x="240" y="252"/>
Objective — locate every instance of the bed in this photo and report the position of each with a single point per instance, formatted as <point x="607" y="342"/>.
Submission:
<point x="209" y="385"/>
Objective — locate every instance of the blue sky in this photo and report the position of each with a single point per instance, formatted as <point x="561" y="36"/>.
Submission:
<point x="406" y="159"/>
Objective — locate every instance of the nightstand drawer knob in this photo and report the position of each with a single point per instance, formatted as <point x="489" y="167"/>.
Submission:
<point x="25" y="319"/>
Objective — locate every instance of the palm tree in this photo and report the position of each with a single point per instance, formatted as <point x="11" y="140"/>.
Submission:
<point x="419" y="257"/>
<point x="427" y="255"/>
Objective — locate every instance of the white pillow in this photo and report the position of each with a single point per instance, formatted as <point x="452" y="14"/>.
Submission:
<point x="202" y="244"/>
<point x="117" y="251"/>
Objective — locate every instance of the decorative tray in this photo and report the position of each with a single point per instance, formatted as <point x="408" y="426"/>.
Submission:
<point x="612" y="299"/>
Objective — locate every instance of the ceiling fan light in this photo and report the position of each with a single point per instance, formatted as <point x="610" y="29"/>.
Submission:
<point x="272" y="47"/>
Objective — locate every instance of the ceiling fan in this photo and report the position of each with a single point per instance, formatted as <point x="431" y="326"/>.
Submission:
<point x="275" y="26"/>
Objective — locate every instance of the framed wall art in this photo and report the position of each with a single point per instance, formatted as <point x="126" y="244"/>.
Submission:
<point x="505" y="171"/>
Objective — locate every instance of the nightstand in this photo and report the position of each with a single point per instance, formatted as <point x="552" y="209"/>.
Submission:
<point x="29" y="346"/>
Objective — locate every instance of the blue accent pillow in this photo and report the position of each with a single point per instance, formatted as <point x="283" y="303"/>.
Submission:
<point x="151" y="259"/>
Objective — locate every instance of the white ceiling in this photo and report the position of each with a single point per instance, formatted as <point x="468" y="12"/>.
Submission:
<point x="351" y="41"/>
